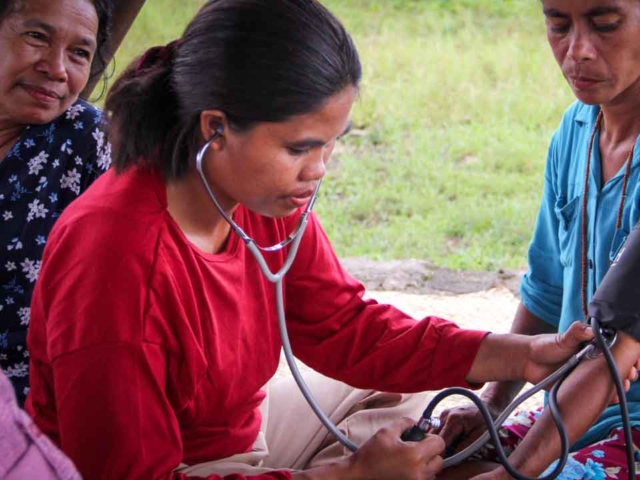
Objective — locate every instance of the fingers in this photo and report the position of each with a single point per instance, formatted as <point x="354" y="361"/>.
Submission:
<point x="459" y="424"/>
<point x="444" y="415"/>
<point x="451" y="431"/>
<point x="434" y="466"/>
<point x="632" y="376"/>
<point x="398" y="427"/>
<point x="428" y="457"/>
<point x="469" y="438"/>
<point x="432" y="447"/>
<point x="385" y="456"/>
<point x="577" y="333"/>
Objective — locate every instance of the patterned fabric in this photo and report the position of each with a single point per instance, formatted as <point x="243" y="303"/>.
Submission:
<point x="47" y="169"/>
<point x="25" y="453"/>
<point x="603" y="460"/>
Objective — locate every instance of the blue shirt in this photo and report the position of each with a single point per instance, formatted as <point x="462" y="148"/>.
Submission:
<point x="48" y="167"/>
<point x="551" y="290"/>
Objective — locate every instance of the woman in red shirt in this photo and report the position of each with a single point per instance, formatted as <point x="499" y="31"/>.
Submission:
<point x="153" y="331"/>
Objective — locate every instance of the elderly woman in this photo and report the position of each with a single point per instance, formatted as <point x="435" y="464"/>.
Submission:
<point x="51" y="146"/>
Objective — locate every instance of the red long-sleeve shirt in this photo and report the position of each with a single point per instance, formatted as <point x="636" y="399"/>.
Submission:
<point x="146" y="352"/>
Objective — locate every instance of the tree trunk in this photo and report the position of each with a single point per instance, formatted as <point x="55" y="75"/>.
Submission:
<point x="124" y="13"/>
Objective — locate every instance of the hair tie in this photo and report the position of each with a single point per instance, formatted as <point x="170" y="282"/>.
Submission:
<point x="158" y="55"/>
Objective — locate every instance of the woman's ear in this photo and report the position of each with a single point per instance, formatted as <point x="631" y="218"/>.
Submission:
<point x="213" y="123"/>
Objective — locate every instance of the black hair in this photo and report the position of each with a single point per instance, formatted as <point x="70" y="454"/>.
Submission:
<point x="104" y="11"/>
<point x="255" y="60"/>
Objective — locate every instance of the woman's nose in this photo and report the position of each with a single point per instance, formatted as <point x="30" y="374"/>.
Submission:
<point x="53" y="64"/>
<point x="316" y="167"/>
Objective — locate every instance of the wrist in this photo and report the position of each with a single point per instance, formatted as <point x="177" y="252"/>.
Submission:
<point x="500" y="357"/>
<point x="493" y="397"/>
<point x="495" y="408"/>
<point x="498" y="395"/>
<point x="527" y="346"/>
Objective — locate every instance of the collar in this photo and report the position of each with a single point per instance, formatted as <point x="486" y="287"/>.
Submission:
<point x="586" y="114"/>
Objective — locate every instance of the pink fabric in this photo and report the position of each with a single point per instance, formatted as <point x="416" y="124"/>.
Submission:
<point x="603" y="460"/>
<point x="25" y="453"/>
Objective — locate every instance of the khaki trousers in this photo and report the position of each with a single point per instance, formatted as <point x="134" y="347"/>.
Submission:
<point x="291" y="436"/>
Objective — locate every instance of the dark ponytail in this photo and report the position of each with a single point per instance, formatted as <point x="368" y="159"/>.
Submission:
<point x="143" y="108"/>
<point x="256" y="60"/>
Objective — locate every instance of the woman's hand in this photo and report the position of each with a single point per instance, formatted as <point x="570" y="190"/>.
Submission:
<point x="523" y="357"/>
<point x="386" y="457"/>
<point x="548" y="352"/>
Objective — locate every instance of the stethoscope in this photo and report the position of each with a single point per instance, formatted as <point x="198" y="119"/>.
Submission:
<point x="418" y="432"/>
<point x="293" y="239"/>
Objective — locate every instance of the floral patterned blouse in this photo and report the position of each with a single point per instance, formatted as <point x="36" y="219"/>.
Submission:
<point x="46" y="169"/>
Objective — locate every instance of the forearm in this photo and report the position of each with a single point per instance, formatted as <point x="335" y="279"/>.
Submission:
<point x="500" y="357"/>
<point x="579" y="411"/>
<point x="498" y="395"/>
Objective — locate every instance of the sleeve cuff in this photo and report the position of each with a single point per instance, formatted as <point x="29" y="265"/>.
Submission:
<point x="456" y="353"/>
<point x="541" y="300"/>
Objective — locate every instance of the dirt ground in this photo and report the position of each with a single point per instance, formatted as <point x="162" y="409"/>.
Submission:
<point x="478" y="300"/>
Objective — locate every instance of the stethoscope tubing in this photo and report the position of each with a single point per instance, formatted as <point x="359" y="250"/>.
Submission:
<point x="293" y="241"/>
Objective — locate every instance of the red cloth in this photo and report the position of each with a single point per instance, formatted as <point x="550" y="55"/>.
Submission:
<point x="146" y="352"/>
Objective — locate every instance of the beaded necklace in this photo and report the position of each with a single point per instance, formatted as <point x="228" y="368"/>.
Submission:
<point x="623" y="197"/>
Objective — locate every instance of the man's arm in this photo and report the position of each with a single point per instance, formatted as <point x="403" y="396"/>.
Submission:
<point x="579" y="411"/>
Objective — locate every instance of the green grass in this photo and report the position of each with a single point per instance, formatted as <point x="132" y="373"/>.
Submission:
<point x="458" y="102"/>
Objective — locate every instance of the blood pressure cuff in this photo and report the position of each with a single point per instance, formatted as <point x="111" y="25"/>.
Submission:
<point x="616" y="303"/>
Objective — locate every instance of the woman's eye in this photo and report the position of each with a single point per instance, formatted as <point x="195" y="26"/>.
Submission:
<point x="79" y="52"/>
<point x="36" y="36"/>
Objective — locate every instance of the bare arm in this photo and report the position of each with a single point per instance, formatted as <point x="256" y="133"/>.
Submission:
<point x="498" y="395"/>
<point x="542" y="444"/>
<point x="531" y="358"/>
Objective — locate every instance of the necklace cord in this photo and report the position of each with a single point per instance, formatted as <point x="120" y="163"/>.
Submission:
<point x="585" y="195"/>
